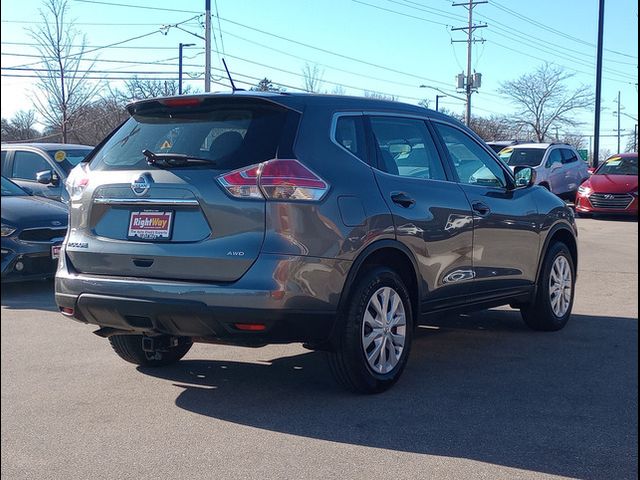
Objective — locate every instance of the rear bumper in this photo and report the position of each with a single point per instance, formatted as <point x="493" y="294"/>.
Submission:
<point x="276" y="293"/>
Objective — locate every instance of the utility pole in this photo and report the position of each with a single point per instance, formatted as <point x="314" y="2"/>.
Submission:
<point x="207" y="46"/>
<point x="618" y="112"/>
<point x="596" y="129"/>
<point x="180" y="47"/>
<point x="471" y="83"/>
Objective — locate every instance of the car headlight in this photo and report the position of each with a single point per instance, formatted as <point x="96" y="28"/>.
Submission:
<point x="582" y="190"/>
<point x="6" y="230"/>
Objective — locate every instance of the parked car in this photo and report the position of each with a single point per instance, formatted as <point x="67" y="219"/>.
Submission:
<point x="42" y="167"/>
<point x="252" y="218"/>
<point x="612" y="189"/>
<point x="558" y="166"/>
<point x="499" y="145"/>
<point x="32" y="232"/>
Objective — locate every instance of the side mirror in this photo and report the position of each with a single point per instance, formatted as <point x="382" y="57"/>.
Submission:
<point x="525" y="176"/>
<point x="47" y="177"/>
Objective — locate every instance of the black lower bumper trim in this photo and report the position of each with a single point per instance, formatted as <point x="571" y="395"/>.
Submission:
<point x="196" y="319"/>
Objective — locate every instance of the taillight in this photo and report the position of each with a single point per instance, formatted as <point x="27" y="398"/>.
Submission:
<point x="275" y="180"/>
<point x="242" y="183"/>
<point x="77" y="181"/>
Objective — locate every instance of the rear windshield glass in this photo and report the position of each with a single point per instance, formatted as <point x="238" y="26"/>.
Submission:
<point x="233" y="137"/>
<point x="531" y="157"/>
<point x="68" y="158"/>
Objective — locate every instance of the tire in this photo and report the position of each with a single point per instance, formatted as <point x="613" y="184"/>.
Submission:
<point x="551" y="310"/>
<point x="348" y="361"/>
<point x="129" y="348"/>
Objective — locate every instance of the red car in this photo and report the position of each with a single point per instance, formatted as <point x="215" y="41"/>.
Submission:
<point x="613" y="187"/>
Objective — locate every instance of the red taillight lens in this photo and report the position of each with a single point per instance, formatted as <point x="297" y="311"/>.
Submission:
<point x="242" y="183"/>
<point x="275" y="180"/>
<point x="290" y="180"/>
<point x="250" y="327"/>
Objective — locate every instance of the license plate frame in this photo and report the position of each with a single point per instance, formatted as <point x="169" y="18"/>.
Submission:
<point x="141" y="225"/>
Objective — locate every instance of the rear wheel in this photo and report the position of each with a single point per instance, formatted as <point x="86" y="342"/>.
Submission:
<point x="374" y="343"/>
<point x="168" y="349"/>
<point x="552" y="306"/>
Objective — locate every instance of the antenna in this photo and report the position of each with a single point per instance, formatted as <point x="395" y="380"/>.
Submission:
<point x="233" y="85"/>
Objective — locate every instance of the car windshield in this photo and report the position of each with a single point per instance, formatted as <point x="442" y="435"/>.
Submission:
<point x="530" y="157"/>
<point x="10" y="189"/>
<point x="69" y="157"/>
<point x="619" y="166"/>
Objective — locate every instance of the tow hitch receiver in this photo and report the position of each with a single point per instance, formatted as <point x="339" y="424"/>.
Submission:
<point x="159" y="343"/>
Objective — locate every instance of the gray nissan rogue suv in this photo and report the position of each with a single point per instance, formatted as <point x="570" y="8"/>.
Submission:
<point x="339" y="222"/>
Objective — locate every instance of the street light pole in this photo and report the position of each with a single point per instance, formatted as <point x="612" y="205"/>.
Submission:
<point x="207" y="46"/>
<point x="438" y="97"/>
<point x="180" y="47"/>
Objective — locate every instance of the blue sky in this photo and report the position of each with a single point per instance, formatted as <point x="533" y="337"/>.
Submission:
<point x="390" y="46"/>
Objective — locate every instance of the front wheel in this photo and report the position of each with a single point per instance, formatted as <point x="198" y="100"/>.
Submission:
<point x="376" y="331"/>
<point x="169" y="349"/>
<point x="552" y="306"/>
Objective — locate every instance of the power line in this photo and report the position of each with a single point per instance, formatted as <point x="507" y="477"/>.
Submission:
<point x="114" y="44"/>
<point x="335" y="54"/>
<point x="144" y="7"/>
<point x="26" y="44"/>
<point x="509" y="11"/>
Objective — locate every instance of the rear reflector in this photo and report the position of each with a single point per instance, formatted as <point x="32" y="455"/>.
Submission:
<point x="250" y="327"/>
<point x="275" y="180"/>
<point x="66" y="310"/>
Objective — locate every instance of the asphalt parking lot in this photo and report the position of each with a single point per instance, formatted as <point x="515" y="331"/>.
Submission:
<point x="482" y="397"/>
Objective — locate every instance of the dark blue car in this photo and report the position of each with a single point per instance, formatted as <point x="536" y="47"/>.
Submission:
<point x="33" y="229"/>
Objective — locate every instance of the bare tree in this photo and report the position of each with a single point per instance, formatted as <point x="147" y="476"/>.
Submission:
<point x="425" y="102"/>
<point x="20" y="127"/>
<point x="138" y="88"/>
<point x="380" y="96"/>
<point x="265" y="85"/>
<point x="97" y="120"/>
<point x="338" y="90"/>
<point x="545" y="100"/>
<point x="575" y="139"/>
<point x="64" y="88"/>
<point x="312" y="78"/>
<point x="632" y="143"/>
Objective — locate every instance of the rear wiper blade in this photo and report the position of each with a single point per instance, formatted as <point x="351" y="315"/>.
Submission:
<point x="168" y="160"/>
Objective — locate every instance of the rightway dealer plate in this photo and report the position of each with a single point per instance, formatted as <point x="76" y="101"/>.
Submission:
<point x="150" y="225"/>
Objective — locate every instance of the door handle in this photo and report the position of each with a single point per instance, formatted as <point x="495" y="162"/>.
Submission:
<point x="402" y="199"/>
<point x="480" y="209"/>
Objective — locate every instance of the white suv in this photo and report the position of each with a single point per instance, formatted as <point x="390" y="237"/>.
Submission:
<point x="558" y="166"/>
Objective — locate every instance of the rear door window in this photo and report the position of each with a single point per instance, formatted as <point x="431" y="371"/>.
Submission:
<point x="27" y="164"/>
<point x="406" y="148"/>
<point x="349" y="133"/>
<point x="568" y="156"/>
<point x="233" y="137"/>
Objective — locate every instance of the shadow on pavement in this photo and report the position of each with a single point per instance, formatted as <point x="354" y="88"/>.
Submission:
<point x="35" y="295"/>
<point x="483" y="388"/>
